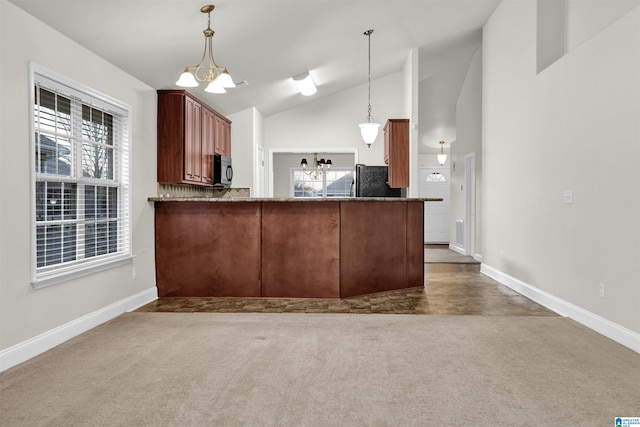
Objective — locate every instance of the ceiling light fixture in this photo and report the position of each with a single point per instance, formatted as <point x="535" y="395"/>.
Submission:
<point x="369" y="129"/>
<point x="217" y="77"/>
<point x="442" y="157"/>
<point x="305" y="84"/>
<point x="318" y="166"/>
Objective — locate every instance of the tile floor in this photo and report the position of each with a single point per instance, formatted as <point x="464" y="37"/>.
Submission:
<point x="449" y="289"/>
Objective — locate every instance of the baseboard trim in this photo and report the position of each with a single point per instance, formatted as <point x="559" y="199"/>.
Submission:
<point x="619" y="334"/>
<point x="24" y="351"/>
<point x="457" y="248"/>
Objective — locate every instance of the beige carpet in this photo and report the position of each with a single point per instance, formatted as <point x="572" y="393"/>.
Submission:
<point x="447" y="256"/>
<point x="197" y="369"/>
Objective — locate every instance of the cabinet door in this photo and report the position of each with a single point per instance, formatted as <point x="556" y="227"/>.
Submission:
<point x="223" y="137"/>
<point x="396" y="138"/>
<point x="386" y="145"/>
<point x="192" y="143"/>
<point x="208" y="138"/>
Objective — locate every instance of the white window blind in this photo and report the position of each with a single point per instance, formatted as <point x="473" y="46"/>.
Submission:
<point x="81" y="197"/>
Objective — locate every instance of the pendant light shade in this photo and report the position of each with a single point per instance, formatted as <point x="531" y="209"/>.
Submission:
<point x="186" y="79"/>
<point x="215" y="87"/>
<point x="369" y="132"/>
<point x="369" y="129"/>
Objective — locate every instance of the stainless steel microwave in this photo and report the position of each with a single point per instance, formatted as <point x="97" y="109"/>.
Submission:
<point x="222" y="171"/>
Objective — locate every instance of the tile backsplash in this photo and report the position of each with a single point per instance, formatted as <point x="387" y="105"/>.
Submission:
<point x="177" y="190"/>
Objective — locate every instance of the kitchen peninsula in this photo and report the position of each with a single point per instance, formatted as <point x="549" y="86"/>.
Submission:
<point x="294" y="248"/>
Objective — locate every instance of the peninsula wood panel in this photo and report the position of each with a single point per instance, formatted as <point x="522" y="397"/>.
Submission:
<point x="415" y="244"/>
<point x="373" y="245"/>
<point x="301" y="249"/>
<point x="207" y="249"/>
<point x="296" y="249"/>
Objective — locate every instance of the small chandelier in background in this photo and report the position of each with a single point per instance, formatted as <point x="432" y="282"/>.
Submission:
<point x="319" y="166"/>
<point x="217" y="77"/>
<point x="369" y="129"/>
<point x="442" y="157"/>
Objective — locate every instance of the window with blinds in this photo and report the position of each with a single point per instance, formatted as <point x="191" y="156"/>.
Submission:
<point x="336" y="182"/>
<point x="81" y="181"/>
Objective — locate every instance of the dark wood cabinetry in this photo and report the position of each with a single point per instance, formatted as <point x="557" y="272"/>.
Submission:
<point x="208" y="142"/>
<point x="193" y="163"/>
<point x="259" y="249"/>
<point x="396" y="152"/>
<point x="189" y="133"/>
<point x="223" y="136"/>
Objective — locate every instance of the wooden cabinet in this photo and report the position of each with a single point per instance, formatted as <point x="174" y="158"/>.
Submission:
<point x="396" y="152"/>
<point x="193" y="141"/>
<point x="223" y="136"/>
<point x="208" y="142"/>
<point x="187" y="138"/>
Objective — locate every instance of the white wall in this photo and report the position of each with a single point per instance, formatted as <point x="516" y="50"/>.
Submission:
<point x="469" y="140"/>
<point x="331" y="123"/>
<point x="585" y="18"/>
<point x="26" y="313"/>
<point x="243" y="148"/>
<point x="572" y="127"/>
<point x="411" y="95"/>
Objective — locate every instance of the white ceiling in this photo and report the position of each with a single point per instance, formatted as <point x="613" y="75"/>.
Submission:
<point x="265" y="42"/>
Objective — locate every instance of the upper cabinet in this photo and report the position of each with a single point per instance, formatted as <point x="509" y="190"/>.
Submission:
<point x="396" y="152"/>
<point x="223" y="136"/>
<point x="189" y="134"/>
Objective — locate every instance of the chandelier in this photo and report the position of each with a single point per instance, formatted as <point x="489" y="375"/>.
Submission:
<point x="217" y="77"/>
<point x="318" y="168"/>
<point x="442" y="157"/>
<point x="369" y="129"/>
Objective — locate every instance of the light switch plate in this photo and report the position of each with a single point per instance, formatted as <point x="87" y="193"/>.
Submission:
<point x="567" y="196"/>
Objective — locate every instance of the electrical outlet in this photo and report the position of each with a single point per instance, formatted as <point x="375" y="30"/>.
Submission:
<point x="601" y="290"/>
<point x="134" y="273"/>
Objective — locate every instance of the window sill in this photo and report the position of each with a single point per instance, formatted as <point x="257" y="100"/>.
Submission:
<point x="79" y="272"/>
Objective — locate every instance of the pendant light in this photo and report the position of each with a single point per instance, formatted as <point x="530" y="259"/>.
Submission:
<point x="369" y="129"/>
<point x="318" y="168"/>
<point x="216" y="77"/>
<point x="442" y="157"/>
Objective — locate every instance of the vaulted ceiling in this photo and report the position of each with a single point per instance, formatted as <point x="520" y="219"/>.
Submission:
<point x="266" y="42"/>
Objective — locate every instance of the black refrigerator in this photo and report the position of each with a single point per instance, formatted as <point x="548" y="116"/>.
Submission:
<point x="371" y="181"/>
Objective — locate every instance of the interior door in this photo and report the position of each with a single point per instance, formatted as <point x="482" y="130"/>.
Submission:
<point x="434" y="183"/>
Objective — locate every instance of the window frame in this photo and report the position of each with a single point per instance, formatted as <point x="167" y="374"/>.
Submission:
<point x="66" y="87"/>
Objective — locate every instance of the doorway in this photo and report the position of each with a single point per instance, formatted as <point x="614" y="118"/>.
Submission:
<point x="434" y="183"/>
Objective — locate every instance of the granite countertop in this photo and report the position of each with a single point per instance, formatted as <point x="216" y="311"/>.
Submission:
<point x="291" y="199"/>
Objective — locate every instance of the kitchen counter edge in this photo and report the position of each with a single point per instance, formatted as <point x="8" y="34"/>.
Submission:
<point x="290" y="199"/>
